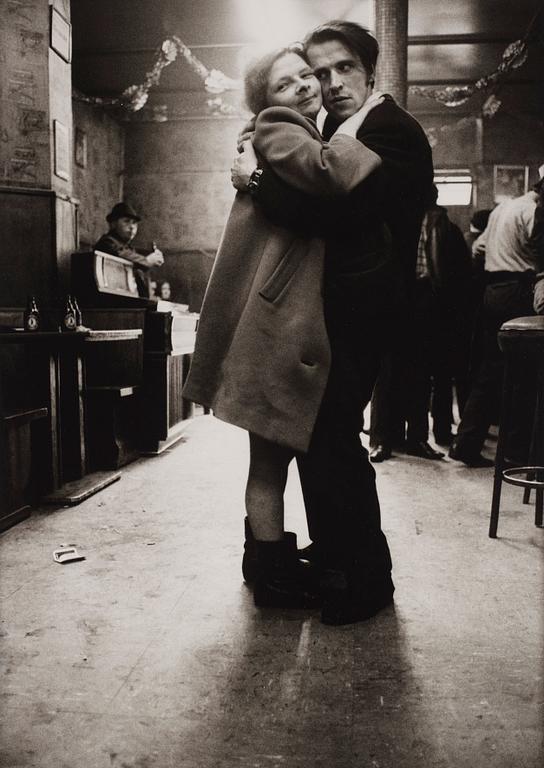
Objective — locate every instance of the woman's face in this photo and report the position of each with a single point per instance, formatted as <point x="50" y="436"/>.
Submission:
<point x="292" y="83"/>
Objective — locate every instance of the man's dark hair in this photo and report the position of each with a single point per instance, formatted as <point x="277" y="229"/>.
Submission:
<point x="257" y="74"/>
<point x="356" y="38"/>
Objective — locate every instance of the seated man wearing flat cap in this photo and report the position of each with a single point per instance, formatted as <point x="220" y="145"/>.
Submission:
<point x="123" y="221"/>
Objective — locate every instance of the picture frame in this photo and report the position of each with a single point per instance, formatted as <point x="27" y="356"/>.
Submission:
<point x="62" y="150"/>
<point x="80" y="148"/>
<point x="509" y="181"/>
<point x="60" y="35"/>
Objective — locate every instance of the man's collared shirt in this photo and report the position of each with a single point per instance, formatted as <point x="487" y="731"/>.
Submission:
<point x="512" y="240"/>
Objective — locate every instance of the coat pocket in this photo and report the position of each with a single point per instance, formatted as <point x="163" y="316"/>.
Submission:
<point x="282" y="274"/>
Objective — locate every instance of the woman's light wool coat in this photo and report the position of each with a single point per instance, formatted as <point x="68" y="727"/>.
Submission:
<point x="262" y="355"/>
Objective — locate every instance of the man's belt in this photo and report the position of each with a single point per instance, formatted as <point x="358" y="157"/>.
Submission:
<point x="528" y="276"/>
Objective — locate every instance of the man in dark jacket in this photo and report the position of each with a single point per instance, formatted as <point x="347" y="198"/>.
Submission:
<point x="439" y="304"/>
<point x="123" y="221"/>
<point x="361" y="299"/>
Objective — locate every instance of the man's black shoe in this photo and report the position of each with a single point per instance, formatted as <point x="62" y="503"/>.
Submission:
<point x="380" y="453"/>
<point x="344" y="606"/>
<point x="311" y="554"/>
<point x="474" y="460"/>
<point x="423" y="450"/>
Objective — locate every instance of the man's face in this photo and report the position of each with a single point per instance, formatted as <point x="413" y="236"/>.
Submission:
<point x="343" y="78"/>
<point x="126" y="228"/>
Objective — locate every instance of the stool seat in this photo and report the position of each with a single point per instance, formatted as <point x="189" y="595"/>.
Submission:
<point x="522" y="333"/>
<point x="534" y="323"/>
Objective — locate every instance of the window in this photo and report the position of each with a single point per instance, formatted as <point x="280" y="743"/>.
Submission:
<point x="454" y="186"/>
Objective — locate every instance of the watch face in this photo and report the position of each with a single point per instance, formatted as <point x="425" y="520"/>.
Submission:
<point x="32" y="323"/>
<point x="70" y="322"/>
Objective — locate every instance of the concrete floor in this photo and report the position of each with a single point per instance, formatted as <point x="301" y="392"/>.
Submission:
<point x="150" y="653"/>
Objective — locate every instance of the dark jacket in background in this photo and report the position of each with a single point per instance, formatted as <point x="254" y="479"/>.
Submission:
<point x="112" y="244"/>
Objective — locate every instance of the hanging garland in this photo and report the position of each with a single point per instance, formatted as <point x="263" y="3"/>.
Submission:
<point x="513" y="57"/>
<point x="134" y="98"/>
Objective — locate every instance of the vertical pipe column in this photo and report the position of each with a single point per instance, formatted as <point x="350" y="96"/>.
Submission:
<point x="391" y="18"/>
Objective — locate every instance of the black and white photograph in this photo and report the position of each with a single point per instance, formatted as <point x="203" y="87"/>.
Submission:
<point x="272" y="384"/>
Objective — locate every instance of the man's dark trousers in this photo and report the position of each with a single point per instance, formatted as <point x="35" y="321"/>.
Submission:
<point x="508" y="295"/>
<point x="338" y="481"/>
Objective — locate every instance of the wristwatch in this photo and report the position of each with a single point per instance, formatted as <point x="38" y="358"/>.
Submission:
<point x="254" y="179"/>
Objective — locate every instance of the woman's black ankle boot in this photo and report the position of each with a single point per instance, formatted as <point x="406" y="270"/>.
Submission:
<point x="250" y="562"/>
<point x="281" y="580"/>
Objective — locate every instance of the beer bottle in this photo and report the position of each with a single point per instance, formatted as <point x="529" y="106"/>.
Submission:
<point x="31" y="319"/>
<point x="77" y="310"/>
<point x="69" y="322"/>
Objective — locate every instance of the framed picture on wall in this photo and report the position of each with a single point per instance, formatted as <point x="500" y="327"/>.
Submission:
<point x="509" y="181"/>
<point x="60" y="38"/>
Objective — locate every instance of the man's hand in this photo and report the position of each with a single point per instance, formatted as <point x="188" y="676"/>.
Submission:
<point x="243" y="166"/>
<point x="538" y="298"/>
<point x="155" y="258"/>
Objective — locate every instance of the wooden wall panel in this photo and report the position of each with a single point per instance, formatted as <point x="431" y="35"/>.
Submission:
<point x="98" y="177"/>
<point x="27" y="262"/>
<point x="177" y="176"/>
<point x="24" y="94"/>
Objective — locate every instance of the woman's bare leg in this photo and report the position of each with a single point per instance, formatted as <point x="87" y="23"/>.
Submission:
<point x="268" y="464"/>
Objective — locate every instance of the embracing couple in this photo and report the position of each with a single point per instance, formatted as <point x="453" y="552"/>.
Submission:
<point x="309" y="284"/>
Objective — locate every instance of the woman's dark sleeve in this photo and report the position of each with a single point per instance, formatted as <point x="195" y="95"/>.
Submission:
<point x="288" y="207"/>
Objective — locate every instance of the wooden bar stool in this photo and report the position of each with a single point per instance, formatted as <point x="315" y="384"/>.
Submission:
<point x="520" y="338"/>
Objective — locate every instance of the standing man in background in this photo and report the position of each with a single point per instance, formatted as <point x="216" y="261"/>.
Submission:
<point x="512" y="244"/>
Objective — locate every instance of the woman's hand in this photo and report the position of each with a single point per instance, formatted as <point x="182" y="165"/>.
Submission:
<point x="246" y="134"/>
<point x="243" y="166"/>
<point x="350" y="126"/>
